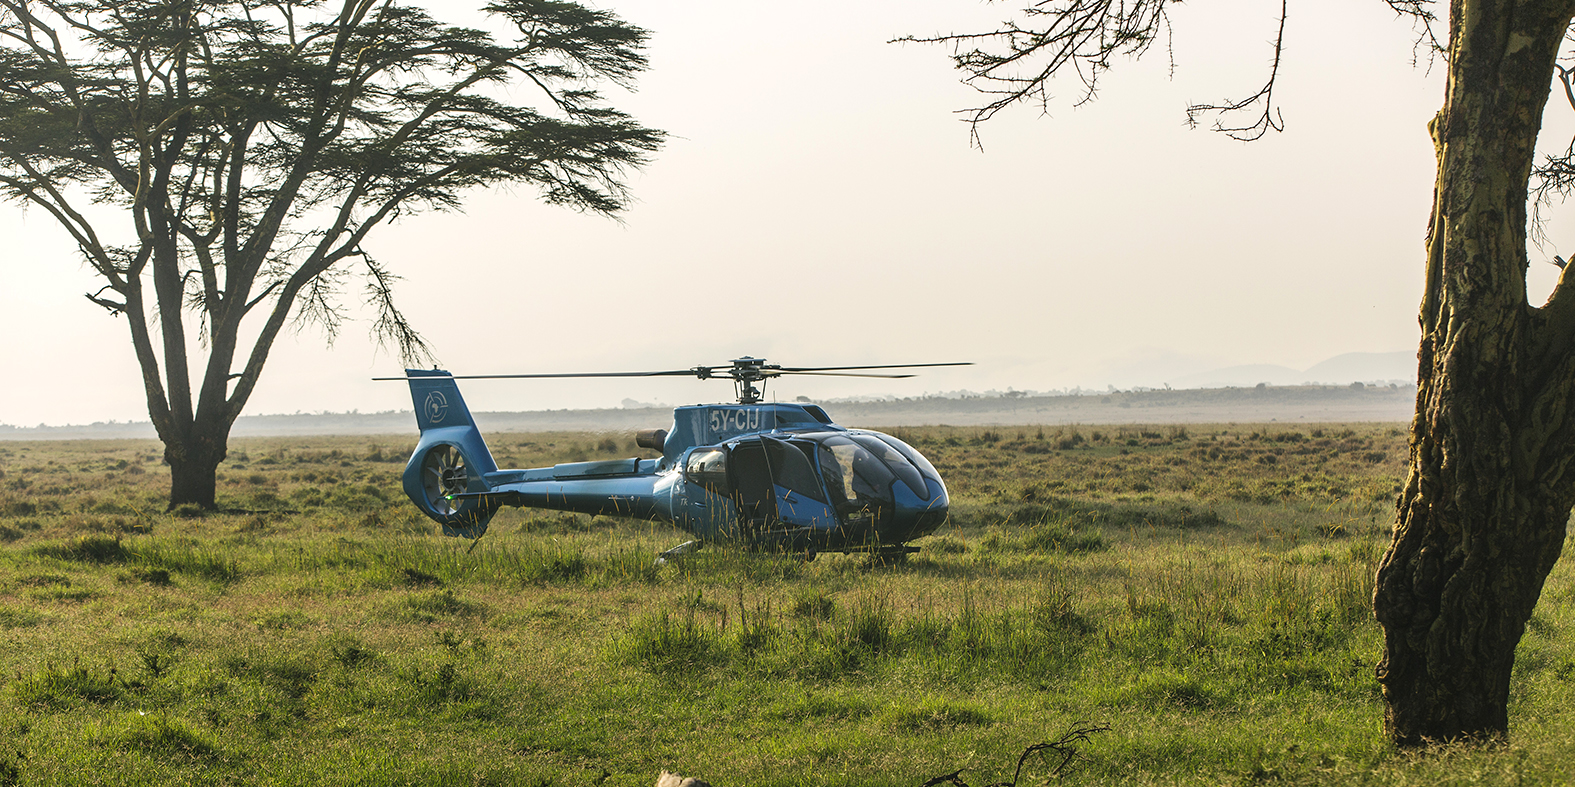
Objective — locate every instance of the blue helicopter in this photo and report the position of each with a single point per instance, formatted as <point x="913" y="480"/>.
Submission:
<point x="767" y="475"/>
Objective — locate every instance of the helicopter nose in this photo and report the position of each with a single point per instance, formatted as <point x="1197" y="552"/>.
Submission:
<point x="924" y="519"/>
<point x="927" y="521"/>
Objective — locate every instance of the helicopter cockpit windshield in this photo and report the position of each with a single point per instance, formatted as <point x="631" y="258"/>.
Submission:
<point x="850" y="479"/>
<point x="869" y="465"/>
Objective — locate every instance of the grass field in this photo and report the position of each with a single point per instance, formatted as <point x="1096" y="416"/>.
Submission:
<point x="1201" y="590"/>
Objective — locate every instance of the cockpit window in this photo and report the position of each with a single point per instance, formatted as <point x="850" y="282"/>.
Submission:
<point x="895" y="460"/>
<point x="866" y="477"/>
<point x="708" y="468"/>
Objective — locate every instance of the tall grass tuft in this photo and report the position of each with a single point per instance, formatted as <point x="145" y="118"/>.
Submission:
<point x="189" y="557"/>
<point x="53" y="687"/>
<point x="662" y="642"/>
<point x="510" y="563"/>
<point x="433" y="606"/>
<point x="153" y="734"/>
<point x="96" y="548"/>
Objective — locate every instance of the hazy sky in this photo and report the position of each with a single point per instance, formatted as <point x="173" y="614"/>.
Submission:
<point x="819" y="204"/>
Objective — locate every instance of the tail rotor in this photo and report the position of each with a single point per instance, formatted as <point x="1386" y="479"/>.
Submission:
<point x="443" y="473"/>
<point x="447" y="474"/>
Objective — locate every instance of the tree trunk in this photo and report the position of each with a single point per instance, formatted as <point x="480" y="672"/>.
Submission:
<point x="1481" y="519"/>
<point x="194" y="464"/>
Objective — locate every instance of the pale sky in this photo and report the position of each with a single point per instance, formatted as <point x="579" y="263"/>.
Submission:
<point x="818" y="203"/>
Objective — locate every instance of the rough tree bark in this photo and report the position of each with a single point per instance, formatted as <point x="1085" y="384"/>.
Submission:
<point x="1481" y="518"/>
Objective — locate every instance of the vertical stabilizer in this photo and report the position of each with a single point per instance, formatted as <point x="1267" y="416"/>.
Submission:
<point x="437" y="400"/>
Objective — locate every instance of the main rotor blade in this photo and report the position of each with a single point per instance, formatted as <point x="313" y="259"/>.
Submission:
<point x="843" y="374"/>
<point x="671" y="373"/>
<point x="704" y="372"/>
<point x="806" y="369"/>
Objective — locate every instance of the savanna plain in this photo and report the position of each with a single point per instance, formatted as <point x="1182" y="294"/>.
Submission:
<point x="1196" y="596"/>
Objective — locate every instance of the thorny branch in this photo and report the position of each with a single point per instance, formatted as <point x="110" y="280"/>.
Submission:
<point x="1554" y="178"/>
<point x="1016" y="62"/>
<point x="1269" y="117"/>
<point x="1423" y="18"/>
<point x="1066" y="746"/>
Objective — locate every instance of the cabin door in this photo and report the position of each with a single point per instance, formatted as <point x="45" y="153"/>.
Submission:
<point x="776" y="487"/>
<point x="754" y="493"/>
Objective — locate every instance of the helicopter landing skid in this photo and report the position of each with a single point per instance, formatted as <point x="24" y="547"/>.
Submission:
<point x="890" y="555"/>
<point x="677" y="552"/>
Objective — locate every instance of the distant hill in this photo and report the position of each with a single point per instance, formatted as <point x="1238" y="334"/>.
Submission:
<point x="1396" y="367"/>
<point x="1376" y="368"/>
<point x="1247" y="404"/>
<point x="1241" y="377"/>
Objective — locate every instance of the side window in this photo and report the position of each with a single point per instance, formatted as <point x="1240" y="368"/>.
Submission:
<point x="708" y="468"/>
<point x="831" y="471"/>
<point x="791" y="469"/>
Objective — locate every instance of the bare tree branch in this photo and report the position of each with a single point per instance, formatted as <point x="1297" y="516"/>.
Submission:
<point x="1067" y="746"/>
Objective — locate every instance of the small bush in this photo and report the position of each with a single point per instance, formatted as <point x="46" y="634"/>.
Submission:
<point x="419" y="578"/>
<point x="351" y="654"/>
<point x="153" y="576"/>
<point x="1158" y="689"/>
<point x="815" y="604"/>
<point x="440" y="686"/>
<point x="187" y="557"/>
<point x="14" y="507"/>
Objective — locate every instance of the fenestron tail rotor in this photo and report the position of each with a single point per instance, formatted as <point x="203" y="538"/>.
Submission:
<point x="749" y="375"/>
<point x="443" y="473"/>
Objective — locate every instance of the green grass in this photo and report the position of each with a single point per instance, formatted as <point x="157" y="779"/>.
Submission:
<point x="1206" y="601"/>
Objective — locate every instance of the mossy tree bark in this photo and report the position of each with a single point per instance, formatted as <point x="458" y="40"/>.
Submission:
<point x="1481" y="518"/>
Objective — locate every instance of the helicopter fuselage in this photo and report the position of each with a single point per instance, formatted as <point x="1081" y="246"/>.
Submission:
<point x="771" y="475"/>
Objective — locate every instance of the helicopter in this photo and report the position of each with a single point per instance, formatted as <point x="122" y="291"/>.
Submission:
<point x="777" y="476"/>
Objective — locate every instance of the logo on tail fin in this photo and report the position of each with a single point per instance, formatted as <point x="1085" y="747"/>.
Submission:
<point x="436" y="406"/>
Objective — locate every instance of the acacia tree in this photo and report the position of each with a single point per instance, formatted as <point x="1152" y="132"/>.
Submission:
<point x="1482" y="515"/>
<point x="246" y="148"/>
